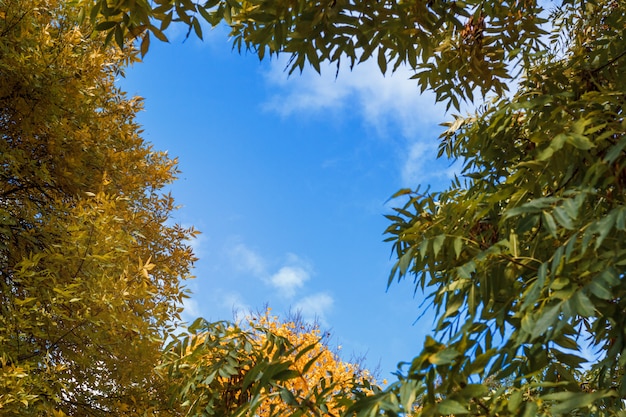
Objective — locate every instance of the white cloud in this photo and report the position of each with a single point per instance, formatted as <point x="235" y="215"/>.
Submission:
<point x="419" y="163"/>
<point x="288" y="279"/>
<point x="315" y="308"/>
<point x="191" y="310"/>
<point x="416" y="166"/>
<point x="247" y="260"/>
<point x="238" y="306"/>
<point x="286" y="276"/>
<point x="291" y="276"/>
<point x="388" y="104"/>
<point x="380" y="100"/>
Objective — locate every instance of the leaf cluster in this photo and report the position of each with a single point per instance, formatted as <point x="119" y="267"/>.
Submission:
<point x="456" y="48"/>
<point x="266" y="368"/>
<point x="90" y="266"/>
<point x="523" y="260"/>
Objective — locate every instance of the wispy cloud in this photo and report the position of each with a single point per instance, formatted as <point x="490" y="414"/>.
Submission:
<point x="315" y="308"/>
<point x="191" y="310"/>
<point x="239" y="307"/>
<point x="380" y="100"/>
<point x="286" y="276"/>
<point x="419" y="165"/>
<point x="288" y="279"/>
<point x="392" y="105"/>
<point x="247" y="260"/>
<point x="418" y="159"/>
<point x="291" y="276"/>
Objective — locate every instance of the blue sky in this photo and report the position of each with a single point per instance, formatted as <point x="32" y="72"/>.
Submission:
<point x="287" y="178"/>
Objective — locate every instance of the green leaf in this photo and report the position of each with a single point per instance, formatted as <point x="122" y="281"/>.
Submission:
<point x="228" y="18"/>
<point x="545" y="320"/>
<point x="515" y="400"/>
<point x="569" y="359"/>
<point x="119" y="36"/>
<point x="401" y="192"/>
<point x="600" y="290"/>
<point x="566" y="342"/>
<point x="252" y="375"/>
<point x="582" y="305"/>
<point x="550" y="223"/>
<point x="271" y="371"/>
<point x="382" y="60"/>
<point x="305" y="350"/>
<point x="196" y="27"/>
<point x="405" y="260"/>
<point x="530" y="410"/>
<point x="604" y="227"/>
<point x="286" y="375"/>
<point x="27" y="300"/>
<point x="610" y="276"/>
<point x="615" y="151"/>
<point x="579" y="141"/>
<point x="311" y="362"/>
<point x="205" y="15"/>
<point x="565" y="402"/>
<point x="479" y="364"/>
<point x="448" y="407"/>
<point x="466" y="270"/>
<point x="158" y="33"/>
<point x="288" y="397"/>
<point x="145" y="44"/>
<point x="534" y="206"/>
<point x="474" y="391"/>
<point x="535" y="289"/>
<point x="563" y="218"/>
<point x="438" y="243"/>
<point x="444" y="357"/>
<point x="102" y="26"/>
<point x="555" y="144"/>
<point x="197" y="324"/>
<point x="458" y="246"/>
<point x="408" y="394"/>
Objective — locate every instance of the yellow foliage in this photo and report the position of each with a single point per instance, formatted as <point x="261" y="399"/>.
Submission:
<point x="267" y="368"/>
<point x="327" y="366"/>
<point x="90" y="270"/>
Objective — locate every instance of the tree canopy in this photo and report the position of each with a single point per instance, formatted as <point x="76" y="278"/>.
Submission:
<point x="262" y="367"/>
<point x="522" y="257"/>
<point x="90" y="263"/>
<point x="456" y="47"/>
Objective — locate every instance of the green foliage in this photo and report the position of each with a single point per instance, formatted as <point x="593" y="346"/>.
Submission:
<point x="90" y="269"/>
<point x="523" y="257"/>
<point x="456" y="48"/>
<point x="266" y="369"/>
<point x="212" y="370"/>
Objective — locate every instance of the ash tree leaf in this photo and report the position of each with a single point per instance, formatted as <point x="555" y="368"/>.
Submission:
<point x="546" y="320"/>
<point x="451" y="407"/>
<point x="444" y="357"/>
<point x="438" y="244"/>
<point x="569" y="401"/>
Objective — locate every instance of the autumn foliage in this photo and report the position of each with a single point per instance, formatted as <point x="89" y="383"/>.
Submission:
<point x="318" y="368"/>
<point x="90" y="266"/>
<point x="520" y="257"/>
<point x="265" y="367"/>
